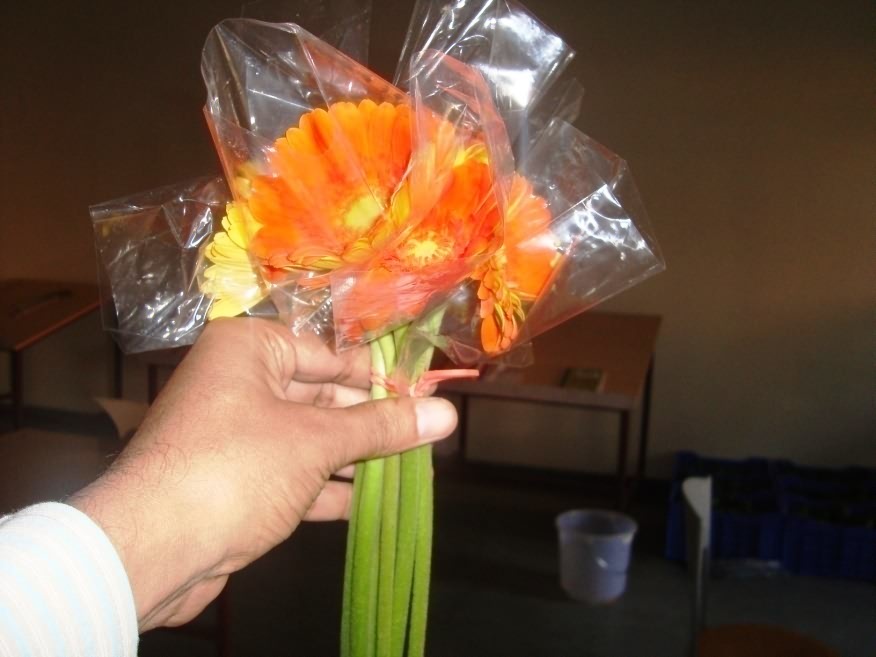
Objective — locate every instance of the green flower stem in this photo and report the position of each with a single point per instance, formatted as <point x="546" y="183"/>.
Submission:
<point x="387" y="556"/>
<point x="423" y="553"/>
<point x="366" y="540"/>
<point x="358" y="479"/>
<point x="414" y="551"/>
<point x="388" y="525"/>
<point x="363" y="614"/>
<point x="404" y="563"/>
<point x="386" y="346"/>
<point x="389" y="546"/>
<point x="399" y="336"/>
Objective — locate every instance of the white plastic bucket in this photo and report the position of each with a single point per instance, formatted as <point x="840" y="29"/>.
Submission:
<point x="595" y="553"/>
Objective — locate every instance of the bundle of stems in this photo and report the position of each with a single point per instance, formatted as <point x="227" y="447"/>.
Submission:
<point x="389" y="543"/>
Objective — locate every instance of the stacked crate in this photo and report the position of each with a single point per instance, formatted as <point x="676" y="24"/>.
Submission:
<point x="830" y="526"/>
<point x="813" y="521"/>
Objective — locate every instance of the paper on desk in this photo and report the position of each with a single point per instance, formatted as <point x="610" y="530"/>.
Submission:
<point x="125" y="414"/>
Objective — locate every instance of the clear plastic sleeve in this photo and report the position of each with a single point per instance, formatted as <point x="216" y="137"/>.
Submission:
<point x="519" y="57"/>
<point x="156" y="285"/>
<point x="605" y="234"/>
<point x="597" y="243"/>
<point x="561" y="102"/>
<point x="458" y="185"/>
<point x="149" y="258"/>
<point x="359" y="207"/>
<point x="315" y="144"/>
<point x="343" y="24"/>
<point x="309" y="164"/>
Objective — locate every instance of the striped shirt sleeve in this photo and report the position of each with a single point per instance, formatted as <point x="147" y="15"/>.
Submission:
<point x="63" y="589"/>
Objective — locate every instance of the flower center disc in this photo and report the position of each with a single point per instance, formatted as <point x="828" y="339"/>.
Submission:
<point x="362" y="214"/>
<point x="426" y="250"/>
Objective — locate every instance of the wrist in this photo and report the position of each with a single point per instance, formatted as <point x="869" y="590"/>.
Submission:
<point x="151" y="536"/>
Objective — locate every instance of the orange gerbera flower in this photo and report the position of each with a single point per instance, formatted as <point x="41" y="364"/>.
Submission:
<point x="433" y="255"/>
<point x="347" y="187"/>
<point x="519" y="270"/>
<point x="331" y="182"/>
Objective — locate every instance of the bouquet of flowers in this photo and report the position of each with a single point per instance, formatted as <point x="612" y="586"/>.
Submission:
<point x="455" y="209"/>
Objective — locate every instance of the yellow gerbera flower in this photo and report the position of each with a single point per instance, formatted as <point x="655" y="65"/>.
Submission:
<point x="231" y="280"/>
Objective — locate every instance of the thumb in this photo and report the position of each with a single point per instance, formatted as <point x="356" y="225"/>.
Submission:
<point x="389" y="426"/>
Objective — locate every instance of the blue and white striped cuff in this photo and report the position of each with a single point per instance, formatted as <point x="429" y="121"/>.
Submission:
<point x="63" y="588"/>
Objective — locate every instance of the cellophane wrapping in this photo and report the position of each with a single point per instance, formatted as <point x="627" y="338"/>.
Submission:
<point x="474" y="74"/>
<point x="599" y="231"/>
<point x="150" y="245"/>
<point x="344" y="24"/>
<point x="149" y="258"/>
<point x="335" y="231"/>
<point x="458" y="183"/>
<point x="261" y="79"/>
<point x="518" y="56"/>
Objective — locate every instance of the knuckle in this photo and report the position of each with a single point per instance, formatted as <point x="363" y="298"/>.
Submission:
<point x="346" y="369"/>
<point x="278" y="343"/>
<point x="338" y="452"/>
<point x="388" y="424"/>
<point x="327" y="395"/>
<point x="322" y="445"/>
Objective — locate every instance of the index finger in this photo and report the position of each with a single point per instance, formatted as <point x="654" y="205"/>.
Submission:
<point x="317" y="362"/>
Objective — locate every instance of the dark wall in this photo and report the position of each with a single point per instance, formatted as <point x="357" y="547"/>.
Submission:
<point x="747" y="124"/>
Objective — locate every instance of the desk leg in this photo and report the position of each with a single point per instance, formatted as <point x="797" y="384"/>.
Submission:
<point x="151" y="382"/>
<point x="645" y="422"/>
<point x="463" y="426"/>
<point x="223" y="639"/>
<point x="16" y="375"/>
<point x="623" y="441"/>
<point x="118" y="371"/>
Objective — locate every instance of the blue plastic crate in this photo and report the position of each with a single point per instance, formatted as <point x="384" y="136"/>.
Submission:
<point x="740" y="536"/>
<point x="675" y="539"/>
<point x="812" y="547"/>
<point x="844" y="485"/>
<point x="745" y="519"/>
<point x="734" y="535"/>
<point x="829" y="535"/>
<point x="816" y="521"/>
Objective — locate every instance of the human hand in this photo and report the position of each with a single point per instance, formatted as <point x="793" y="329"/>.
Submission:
<point x="236" y="452"/>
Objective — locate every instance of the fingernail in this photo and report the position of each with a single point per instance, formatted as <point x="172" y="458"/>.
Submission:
<point x="436" y="419"/>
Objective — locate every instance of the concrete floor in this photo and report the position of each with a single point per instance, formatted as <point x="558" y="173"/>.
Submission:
<point x="495" y="590"/>
<point x="495" y="585"/>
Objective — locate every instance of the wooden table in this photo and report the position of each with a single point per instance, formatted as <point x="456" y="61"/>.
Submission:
<point x="621" y="345"/>
<point x="31" y="311"/>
